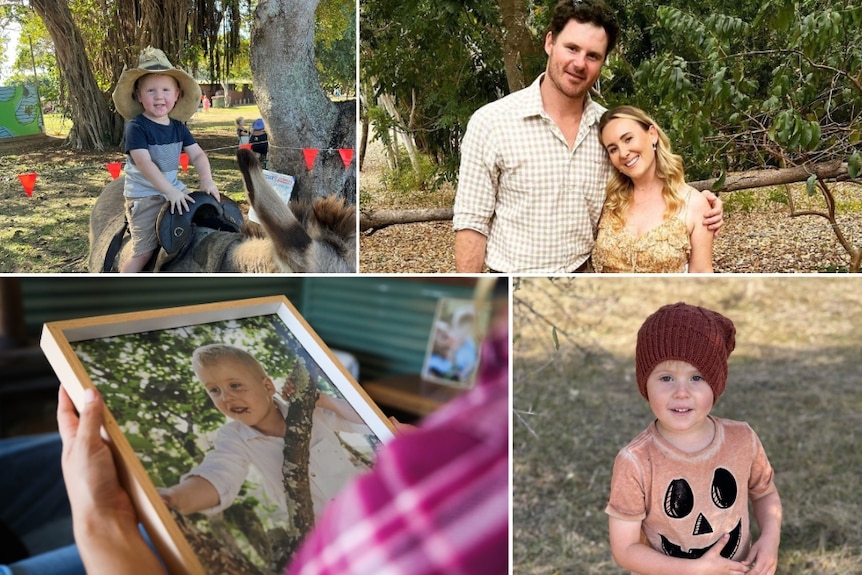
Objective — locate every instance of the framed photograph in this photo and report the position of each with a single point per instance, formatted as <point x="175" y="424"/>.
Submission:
<point x="452" y="355"/>
<point x="232" y="425"/>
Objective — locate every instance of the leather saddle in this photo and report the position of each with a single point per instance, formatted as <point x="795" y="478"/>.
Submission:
<point x="175" y="230"/>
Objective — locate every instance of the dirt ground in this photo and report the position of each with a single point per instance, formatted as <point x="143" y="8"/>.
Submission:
<point x="48" y="232"/>
<point x="794" y="377"/>
<point x="758" y="236"/>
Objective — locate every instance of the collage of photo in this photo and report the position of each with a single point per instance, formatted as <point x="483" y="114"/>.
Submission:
<point x="495" y="287"/>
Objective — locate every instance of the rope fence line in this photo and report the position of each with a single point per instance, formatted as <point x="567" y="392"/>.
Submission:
<point x="12" y="178"/>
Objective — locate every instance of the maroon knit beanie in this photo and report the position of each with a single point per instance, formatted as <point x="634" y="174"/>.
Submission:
<point x="683" y="332"/>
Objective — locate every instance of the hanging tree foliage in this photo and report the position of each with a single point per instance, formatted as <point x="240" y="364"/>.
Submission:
<point x="94" y="40"/>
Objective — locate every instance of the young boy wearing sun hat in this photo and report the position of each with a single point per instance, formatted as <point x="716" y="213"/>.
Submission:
<point x="157" y="99"/>
<point x="680" y="490"/>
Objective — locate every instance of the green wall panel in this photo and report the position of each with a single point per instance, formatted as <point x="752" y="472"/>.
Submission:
<point x="52" y="298"/>
<point x="384" y="321"/>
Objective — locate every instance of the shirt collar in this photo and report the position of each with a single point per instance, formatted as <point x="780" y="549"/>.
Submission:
<point x="533" y="104"/>
<point x="247" y="432"/>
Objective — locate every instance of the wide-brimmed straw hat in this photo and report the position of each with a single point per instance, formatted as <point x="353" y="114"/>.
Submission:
<point x="152" y="60"/>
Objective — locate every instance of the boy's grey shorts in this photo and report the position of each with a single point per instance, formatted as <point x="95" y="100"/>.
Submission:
<point x="141" y="213"/>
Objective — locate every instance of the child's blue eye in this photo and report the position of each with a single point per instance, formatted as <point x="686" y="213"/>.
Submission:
<point x="697" y="378"/>
<point x="665" y="378"/>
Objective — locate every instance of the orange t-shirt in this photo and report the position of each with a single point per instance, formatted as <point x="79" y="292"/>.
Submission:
<point x="687" y="501"/>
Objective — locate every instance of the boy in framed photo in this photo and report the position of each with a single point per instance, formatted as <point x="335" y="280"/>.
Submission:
<point x="254" y="436"/>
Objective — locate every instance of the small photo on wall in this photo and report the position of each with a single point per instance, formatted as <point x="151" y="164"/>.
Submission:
<point x="452" y="355"/>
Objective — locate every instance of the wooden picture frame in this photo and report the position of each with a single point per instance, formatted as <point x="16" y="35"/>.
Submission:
<point x="155" y="408"/>
<point x="452" y="354"/>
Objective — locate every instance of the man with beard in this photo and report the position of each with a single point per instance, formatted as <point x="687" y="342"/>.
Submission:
<point x="533" y="171"/>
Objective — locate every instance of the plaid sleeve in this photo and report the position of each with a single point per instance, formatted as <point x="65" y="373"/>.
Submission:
<point x="437" y="499"/>
<point x="477" y="177"/>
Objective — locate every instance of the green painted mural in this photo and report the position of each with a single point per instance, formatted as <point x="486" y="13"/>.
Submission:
<point x="19" y="111"/>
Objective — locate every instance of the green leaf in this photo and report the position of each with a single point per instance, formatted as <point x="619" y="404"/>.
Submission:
<point x="854" y="165"/>
<point x="719" y="183"/>
<point x="784" y="17"/>
<point x="810" y="183"/>
<point x="815" y="135"/>
<point x="806" y="135"/>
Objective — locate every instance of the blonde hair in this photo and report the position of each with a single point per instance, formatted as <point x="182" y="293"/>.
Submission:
<point x="208" y="355"/>
<point x="239" y="120"/>
<point x="669" y="169"/>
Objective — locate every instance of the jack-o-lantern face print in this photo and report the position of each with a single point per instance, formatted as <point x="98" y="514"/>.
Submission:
<point x="680" y="503"/>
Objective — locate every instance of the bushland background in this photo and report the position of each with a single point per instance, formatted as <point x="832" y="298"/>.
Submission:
<point x="737" y="86"/>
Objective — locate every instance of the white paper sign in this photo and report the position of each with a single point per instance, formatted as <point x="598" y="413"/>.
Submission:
<point x="281" y="183"/>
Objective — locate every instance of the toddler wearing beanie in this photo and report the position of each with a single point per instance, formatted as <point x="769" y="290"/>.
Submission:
<point x="680" y="490"/>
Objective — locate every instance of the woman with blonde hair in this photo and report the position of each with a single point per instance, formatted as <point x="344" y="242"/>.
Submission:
<point x="652" y="221"/>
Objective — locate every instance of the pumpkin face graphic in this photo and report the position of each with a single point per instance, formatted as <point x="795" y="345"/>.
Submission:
<point x="681" y="502"/>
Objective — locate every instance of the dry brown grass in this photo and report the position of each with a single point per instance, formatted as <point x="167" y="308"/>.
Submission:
<point x="794" y="377"/>
<point x="759" y="236"/>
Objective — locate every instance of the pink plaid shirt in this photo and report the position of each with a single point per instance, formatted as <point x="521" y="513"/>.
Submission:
<point x="437" y="499"/>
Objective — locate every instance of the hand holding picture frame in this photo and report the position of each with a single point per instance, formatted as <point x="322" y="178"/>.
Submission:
<point x="167" y="424"/>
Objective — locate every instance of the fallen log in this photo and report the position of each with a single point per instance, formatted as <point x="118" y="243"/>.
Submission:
<point x="378" y="219"/>
<point x="774" y="177"/>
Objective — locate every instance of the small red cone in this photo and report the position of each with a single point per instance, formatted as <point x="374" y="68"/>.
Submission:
<point x="184" y="161"/>
<point x="245" y="146"/>
<point x="114" y="169"/>
<point x="28" y="181"/>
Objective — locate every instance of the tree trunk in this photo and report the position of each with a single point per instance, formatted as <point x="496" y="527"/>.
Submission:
<point x="380" y="219"/>
<point x="366" y="126"/>
<point x="386" y="102"/>
<point x="298" y="112"/>
<point x="517" y="42"/>
<point x="226" y="89"/>
<point x="297" y="449"/>
<point x="93" y="124"/>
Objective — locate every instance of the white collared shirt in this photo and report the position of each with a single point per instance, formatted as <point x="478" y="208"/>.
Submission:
<point x="238" y="447"/>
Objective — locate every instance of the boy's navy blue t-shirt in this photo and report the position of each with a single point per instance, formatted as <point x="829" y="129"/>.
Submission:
<point x="164" y="142"/>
